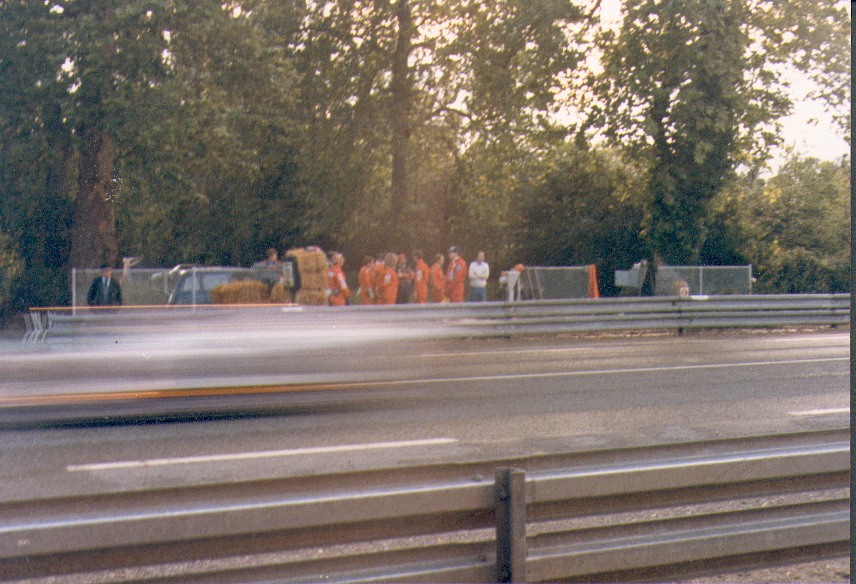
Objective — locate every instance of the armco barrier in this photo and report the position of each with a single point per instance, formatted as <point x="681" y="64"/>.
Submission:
<point x="479" y="319"/>
<point x="658" y="512"/>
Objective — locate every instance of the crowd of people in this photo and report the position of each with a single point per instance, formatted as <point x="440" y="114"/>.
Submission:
<point x="391" y="279"/>
<point x="387" y="279"/>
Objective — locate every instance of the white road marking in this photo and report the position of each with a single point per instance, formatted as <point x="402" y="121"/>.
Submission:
<point x="514" y="376"/>
<point x="821" y="412"/>
<point x="504" y="352"/>
<point x="842" y="338"/>
<point x="129" y="464"/>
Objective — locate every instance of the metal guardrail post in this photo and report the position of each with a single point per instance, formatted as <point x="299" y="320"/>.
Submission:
<point x="510" y="525"/>
<point x="29" y="324"/>
<point x="74" y="290"/>
<point x="37" y="326"/>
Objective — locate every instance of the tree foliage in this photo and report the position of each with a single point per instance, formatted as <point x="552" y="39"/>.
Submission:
<point x="180" y="124"/>
<point x="587" y="208"/>
<point x="384" y="82"/>
<point x="217" y="168"/>
<point x="798" y="228"/>
<point x="697" y="86"/>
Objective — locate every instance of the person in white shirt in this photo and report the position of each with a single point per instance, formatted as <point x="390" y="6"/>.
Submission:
<point x="479" y="272"/>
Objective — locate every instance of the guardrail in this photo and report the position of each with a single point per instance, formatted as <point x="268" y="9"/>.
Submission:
<point x="655" y="512"/>
<point x="475" y="319"/>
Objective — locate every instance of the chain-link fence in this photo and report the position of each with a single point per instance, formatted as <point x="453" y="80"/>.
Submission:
<point x="185" y="284"/>
<point x="686" y="280"/>
<point x="703" y="280"/>
<point x="543" y="283"/>
<point x="140" y="287"/>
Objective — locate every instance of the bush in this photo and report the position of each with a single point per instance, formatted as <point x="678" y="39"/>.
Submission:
<point x="799" y="271"/>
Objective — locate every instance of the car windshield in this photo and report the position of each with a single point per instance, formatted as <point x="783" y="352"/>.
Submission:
<point x="205" y="281"/>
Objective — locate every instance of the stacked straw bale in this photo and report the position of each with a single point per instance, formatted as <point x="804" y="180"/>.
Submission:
<point x="241" y="292"/>
<point x="279" y="295"/>
<point x="312" y="265"/>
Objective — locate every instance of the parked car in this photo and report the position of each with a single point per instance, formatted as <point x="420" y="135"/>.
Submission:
<point x="194" y="284"/>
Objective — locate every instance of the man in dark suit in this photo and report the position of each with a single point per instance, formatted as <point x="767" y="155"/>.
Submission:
<point x="105" y="290"/>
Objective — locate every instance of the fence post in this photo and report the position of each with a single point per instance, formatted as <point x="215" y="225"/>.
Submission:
<point x="510" y="525"/>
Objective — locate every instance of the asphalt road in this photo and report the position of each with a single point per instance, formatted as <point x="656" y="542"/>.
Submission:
<point x="251" y="411"/>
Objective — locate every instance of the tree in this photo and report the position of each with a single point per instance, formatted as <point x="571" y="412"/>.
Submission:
<point x="36" y="169"/>
<point x="215" y="175"/>
<point x="114" y="111"/>
<point x="76" y="76"/>
<point x="111" y="57"/>
<point x="383" y="82"/>
<point x="587" y="208"/>
<point x="697" y="86"/>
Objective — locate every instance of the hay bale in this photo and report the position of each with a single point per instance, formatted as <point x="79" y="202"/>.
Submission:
<point x="309" y="260"/>
<point x="312" y="297"/>
<point x="315" y="281"/>
<point x="241" y="292"/>
<point x="312" y="265"/>
<point x="279" y="295"/>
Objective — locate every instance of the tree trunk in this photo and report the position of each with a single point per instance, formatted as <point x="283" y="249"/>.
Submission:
<point x="93" y="231"/>
<point x="55" y="247"/>
<point x="401" y="91"/>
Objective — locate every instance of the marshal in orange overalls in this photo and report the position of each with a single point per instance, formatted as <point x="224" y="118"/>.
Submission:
<point x="438" y="280"/>
<point x="387" y="283"/>
<point x="339" y="291"/>
<point x="456" y="275"/>
<point x="366" y="277"/>
<point x="420" y="281"/>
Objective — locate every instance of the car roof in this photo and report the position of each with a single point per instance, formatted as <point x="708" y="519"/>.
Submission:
<point x="188" y="269"/>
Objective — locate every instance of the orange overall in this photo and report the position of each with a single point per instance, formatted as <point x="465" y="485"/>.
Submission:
<point x="387" y="288"/>
<point x="420" y="282"/>
<point x="366" y="278"/>
<point x="339" y="292"/>
<point x="438" y="283"/>
<point x="456" y="275"/>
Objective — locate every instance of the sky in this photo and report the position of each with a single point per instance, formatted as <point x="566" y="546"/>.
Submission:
<point x="820" y="139"/>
